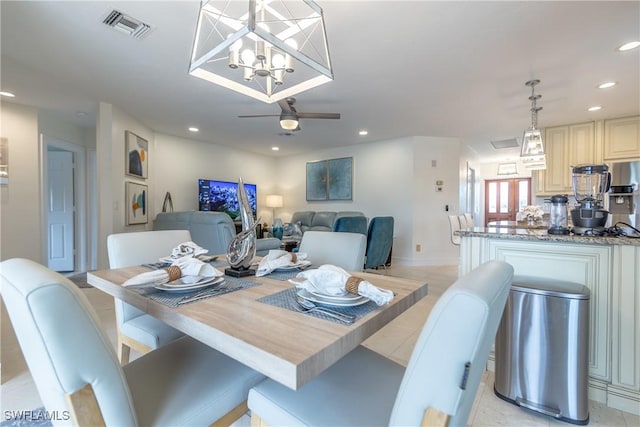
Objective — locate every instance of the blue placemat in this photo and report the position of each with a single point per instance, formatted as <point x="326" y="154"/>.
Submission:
<point x="172" y="299"/>
<point x="283" y="274"/>
<point x="287" y="299"/>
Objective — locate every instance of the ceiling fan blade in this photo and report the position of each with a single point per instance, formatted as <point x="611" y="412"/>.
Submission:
<point x="260" y="115"/>
<point x="319" y="115"/>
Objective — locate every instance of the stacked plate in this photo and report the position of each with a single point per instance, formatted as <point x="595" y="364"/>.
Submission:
<point x="348" y="300"/>
<point x="300" y="265"/>
<point x="190" y="283"/>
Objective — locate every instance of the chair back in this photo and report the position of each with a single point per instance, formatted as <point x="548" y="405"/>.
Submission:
<point x="469" y="218"/>
<point x="129" y="249"/>
<point x="62" y="342"/>
<point x="379" y="241"/>
<point x="345" y="250"/>
<point x="450" y="355"/>
<point x="351" y="224"/>
<point x="454" y="225"/>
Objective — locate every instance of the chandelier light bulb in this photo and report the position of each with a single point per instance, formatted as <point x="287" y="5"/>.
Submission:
<point x="248" y="57"/>
<point x="278" y="60"/>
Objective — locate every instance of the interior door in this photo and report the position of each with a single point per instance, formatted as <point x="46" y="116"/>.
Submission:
<point x="60" y="211"/>
<point x="505" y="197"/>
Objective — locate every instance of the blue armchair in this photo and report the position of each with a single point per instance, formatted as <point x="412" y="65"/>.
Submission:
<point x="351" y="224"/>
<point x="379" y="241"/>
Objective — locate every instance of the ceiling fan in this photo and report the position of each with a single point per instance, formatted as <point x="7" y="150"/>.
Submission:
<point x="290" y="117"/>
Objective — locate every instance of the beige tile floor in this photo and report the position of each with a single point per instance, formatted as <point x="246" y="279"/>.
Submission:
<point x="396" y="341"/>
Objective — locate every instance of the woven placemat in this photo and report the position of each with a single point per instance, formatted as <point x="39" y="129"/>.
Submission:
<point x="283" y="275"/>
<point x="287" y="299"/>
<point x="172" y="299"/>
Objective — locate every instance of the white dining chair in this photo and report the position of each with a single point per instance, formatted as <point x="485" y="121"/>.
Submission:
<point x="469" y="218"/>
<point x="136" y="329"/>
<point x="76" y="370"/>
<point x="344" y="250"/>
<point x="440" y="381"/>
<point x="454" y="225"/>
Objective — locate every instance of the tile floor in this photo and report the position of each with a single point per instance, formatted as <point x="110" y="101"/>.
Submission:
<point x="396" y="341"/>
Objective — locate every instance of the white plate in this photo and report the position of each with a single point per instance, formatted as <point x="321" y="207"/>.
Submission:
<point x="303" y="293"/>
<point x="189" y="281"/>
<point x="297" y="266"/>
<point x="190" y="288"/>
<point x="336" y="298"/>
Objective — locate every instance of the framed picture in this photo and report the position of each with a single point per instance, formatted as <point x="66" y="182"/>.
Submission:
<point x="330" y="179"/>
<point x="136" y="157"/>
<point x="136" y="203"/>
<point x="4" y="161"/>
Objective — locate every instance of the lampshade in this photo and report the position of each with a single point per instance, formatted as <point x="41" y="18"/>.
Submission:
<point x="532" y="144"/>
<point x="535" y="162"/>
<point x="266" y="49"/>
<point x="274" y="201"/>
<point x="507" y="169"/>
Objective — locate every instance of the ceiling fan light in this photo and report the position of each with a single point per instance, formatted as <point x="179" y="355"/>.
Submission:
<point x="289" y="123"/>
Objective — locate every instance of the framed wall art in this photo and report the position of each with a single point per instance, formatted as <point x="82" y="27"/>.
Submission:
<point x="4" y="161"/>
<point x="136" y="203"/>
<point x="136" y="155"/>
<point x="330" y="179"/>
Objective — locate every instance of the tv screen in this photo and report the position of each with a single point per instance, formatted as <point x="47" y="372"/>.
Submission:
<point x="222" y="196"/>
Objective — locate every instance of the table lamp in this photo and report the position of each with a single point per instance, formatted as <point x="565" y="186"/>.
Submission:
<point x="274" y="201"/>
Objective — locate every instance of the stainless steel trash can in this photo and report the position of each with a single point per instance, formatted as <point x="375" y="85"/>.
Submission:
<point x="542" y="348"/>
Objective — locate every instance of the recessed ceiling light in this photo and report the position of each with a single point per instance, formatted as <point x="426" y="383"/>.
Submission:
<point x="81" y="114"/>
<point x="363" y="133"/>
<point x="275" y="148"/>
<point x="594" y="108"/>
<point x="7" y="94"/>
<point x="193" y="129"/>
<point x="629" y="46"/>
<point x="606" y="85"/>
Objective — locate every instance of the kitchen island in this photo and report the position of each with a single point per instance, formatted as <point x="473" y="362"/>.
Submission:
<point x="609" y="267"/>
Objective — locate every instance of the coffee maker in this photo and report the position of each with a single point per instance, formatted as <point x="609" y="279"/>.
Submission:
<point x="590" y="183"/>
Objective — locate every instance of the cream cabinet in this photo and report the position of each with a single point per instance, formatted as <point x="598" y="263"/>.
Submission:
<point x="566" y="146"/>
<point x="622" y="139"/>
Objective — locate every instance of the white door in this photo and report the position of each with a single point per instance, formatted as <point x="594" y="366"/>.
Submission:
<point x="60" y="210"/>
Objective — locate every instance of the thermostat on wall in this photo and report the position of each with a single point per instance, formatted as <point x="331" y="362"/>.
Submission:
<point x="439" y="185"/>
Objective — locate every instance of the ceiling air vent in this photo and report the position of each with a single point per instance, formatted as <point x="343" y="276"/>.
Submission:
<point x="126" y="24"/>
<point x="505" y="143"/>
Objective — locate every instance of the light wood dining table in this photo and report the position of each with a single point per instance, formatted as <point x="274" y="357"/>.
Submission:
<point x="288" y="346"/>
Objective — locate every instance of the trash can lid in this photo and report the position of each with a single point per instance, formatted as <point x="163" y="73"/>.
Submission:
<point x="550" y="287"/>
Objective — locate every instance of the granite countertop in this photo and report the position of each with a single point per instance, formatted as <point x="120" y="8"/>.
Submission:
<point x="542" y="235"/>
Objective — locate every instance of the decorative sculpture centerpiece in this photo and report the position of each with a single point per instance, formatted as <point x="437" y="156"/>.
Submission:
<point x="242" y="248"/>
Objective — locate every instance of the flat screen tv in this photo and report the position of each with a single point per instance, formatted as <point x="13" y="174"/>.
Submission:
<point x="222" y="196"/>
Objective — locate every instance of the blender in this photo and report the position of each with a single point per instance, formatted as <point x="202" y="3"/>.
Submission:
<point x="590" y="183"/>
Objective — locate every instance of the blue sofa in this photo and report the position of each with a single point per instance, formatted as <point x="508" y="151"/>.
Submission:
<point x="211" y="230"/>
<point x="320" y="221"/>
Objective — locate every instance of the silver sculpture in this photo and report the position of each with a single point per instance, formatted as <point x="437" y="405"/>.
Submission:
<point x="242" y="248"/>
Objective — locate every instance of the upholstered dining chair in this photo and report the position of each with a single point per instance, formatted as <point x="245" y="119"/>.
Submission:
<point x="454" y="225"/>
<point x="350" y="224"/>
<point x="379" y="241"/>
<point x="136" y="329"/>
<point x="438" y="385"/>
<point x="75" y="368"/>
<point x="345" y="250"/>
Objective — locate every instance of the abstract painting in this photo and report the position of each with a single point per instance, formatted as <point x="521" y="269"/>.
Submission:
<point x="330" y="179"/>
<point x="4" y="161"/>
<point x="136" y="155"/>
<point x="136" y="203"/>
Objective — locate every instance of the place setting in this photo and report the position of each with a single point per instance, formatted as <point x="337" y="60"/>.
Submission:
<point x="331" y="293"/>
<point x="282" y="265"/>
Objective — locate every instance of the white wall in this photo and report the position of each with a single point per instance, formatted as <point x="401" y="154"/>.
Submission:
<point x="178" y="163"/>
<point x="390" y="178"/>
<point x="21" y="225"/>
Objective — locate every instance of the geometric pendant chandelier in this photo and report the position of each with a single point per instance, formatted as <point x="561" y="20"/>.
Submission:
<point x="532" y="150"/>
<point x="266" y="49"/>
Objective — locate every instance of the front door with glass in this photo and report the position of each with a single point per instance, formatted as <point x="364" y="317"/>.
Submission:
<point x="503" y="198"/>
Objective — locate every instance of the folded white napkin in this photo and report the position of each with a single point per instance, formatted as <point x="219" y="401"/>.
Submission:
<point x="332" y="280"/>
<point x="277" y="258"/>
<point x="185" y="249"/>
<point x="186" y="266"/>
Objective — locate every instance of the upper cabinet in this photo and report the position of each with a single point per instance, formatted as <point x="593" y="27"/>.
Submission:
<point x="622" y="139"/>
<point x="566" y="146"/>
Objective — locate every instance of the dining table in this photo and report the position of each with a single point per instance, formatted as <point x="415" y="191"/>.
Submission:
<point x="256" y="326"/>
